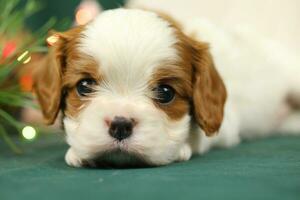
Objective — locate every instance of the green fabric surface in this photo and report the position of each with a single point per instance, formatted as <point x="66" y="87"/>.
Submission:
<point x="263" y="169"/>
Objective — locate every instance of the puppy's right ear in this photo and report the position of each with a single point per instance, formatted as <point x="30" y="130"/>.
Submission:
<point x="47" y="78"/>
<point x="47" y="81"/>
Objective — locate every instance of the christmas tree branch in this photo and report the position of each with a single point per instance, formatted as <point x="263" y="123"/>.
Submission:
<point x="8" y="141"/>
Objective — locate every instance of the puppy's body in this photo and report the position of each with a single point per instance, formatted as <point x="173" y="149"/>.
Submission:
<point x="260" y="77"/>
<point x="127" y="55"/>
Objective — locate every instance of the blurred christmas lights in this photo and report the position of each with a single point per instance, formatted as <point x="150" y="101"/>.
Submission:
<point x="87" y="11"/>
<point x="51" y="40"/>
<point x="27" y="60"/>
<point x="22" y="56"/>
<point x="9" y="49"/>
<point x="28" y="132"/>
<point x="83" y="16"/>
<point x="26" y="82"/>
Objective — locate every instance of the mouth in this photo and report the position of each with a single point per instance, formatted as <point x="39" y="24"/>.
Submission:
<point x="118" y="159"/>
<point x="120" y="155"/>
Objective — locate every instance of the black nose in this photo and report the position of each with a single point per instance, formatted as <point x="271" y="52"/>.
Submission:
<point x="121" y="128"/>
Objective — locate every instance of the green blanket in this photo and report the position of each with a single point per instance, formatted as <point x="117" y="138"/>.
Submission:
<point x="263" y="169"/>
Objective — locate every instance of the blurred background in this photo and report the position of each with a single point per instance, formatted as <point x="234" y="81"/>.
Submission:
<point x="275" y="18"/>
<point x="63" y="10"/>
<point x="24" y="26"/>
<point x="24" y="42"/>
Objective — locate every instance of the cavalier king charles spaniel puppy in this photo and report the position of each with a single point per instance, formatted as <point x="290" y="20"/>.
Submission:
<point x="135" y="87"/>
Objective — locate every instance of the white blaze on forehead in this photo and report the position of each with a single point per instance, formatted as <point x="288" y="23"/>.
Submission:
<point x="129" y="45"/>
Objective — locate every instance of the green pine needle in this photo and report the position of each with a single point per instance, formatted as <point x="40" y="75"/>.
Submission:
<point x="9" y="142"/>
<point x="13" y="14"/>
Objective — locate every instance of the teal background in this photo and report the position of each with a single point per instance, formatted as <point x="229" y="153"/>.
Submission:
<point x="64" y="9"/>
<point x="267" y="169"/>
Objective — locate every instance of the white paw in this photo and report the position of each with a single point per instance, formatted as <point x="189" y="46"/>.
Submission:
<point x="72" y="159"/>
<point x="185" y="153"/>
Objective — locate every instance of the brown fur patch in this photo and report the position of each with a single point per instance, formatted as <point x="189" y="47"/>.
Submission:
<point x="60" y="71"/>
<point x="293" y="100"/>
<point x="80" y="68"/>
<point x="179" y="79"/>
<point x="178" y="75"/>
<point x="202" y="83"/>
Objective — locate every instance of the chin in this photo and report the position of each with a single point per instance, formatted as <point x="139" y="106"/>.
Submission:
<point x="119" y="159"/>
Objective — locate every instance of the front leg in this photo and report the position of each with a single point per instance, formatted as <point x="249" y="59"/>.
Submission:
<point x="185" y="153"/>
<point x="72" y="159"/>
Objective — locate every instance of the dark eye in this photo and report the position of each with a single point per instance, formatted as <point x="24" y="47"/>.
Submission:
<point x="164" y="93"/>
<point x="84" y="86"/>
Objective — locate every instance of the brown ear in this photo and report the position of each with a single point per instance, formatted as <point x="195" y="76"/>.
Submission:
<point x="209" y="93"/>
<point x="47" y="81"/>
<point x="47" y="78"/>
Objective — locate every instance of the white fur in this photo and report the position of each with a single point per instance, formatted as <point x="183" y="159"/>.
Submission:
<point x="259" y="74"/>
<point x="130" y="44"/>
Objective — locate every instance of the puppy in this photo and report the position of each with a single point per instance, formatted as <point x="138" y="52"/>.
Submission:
<point x="132" y="87"/>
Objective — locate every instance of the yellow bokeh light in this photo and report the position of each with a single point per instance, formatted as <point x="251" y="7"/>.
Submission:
<point x="27" y="60"/>
<point x="29" y="132"/>
<point x="22" y="56"/>
<point x="51" y="40"/>
<point x="83" y="16"/>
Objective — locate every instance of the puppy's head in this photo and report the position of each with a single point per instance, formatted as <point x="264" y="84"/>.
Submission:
<point x="130" y="84"/>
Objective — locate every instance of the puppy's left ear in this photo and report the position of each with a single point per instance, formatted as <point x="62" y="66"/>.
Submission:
<point x="209" y="93"/>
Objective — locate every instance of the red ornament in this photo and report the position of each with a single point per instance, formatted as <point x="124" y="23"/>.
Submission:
<point x="9" y="49"/>
<point x="26" y="82"/>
